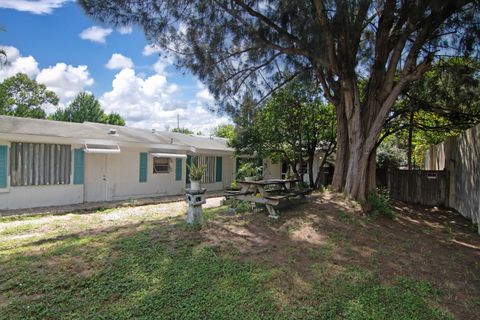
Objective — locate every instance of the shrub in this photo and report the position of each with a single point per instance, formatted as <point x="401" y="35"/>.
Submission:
<point x="248" y="170"/>
<point x="381" y="204"/>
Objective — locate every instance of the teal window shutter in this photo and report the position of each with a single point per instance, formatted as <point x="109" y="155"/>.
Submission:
<point x="178" y="169"/>
<point x="3" y="166"/>
<point x="143" y="167"/>
<point x="218" y="169"/>
<point x="78" y="166"/>
<point x="189" y="163"/>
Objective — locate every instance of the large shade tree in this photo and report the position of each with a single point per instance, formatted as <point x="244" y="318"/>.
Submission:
<point x="240" y="47"/>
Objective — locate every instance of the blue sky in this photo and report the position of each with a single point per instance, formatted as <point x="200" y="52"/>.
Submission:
<point x="56" y="44"/>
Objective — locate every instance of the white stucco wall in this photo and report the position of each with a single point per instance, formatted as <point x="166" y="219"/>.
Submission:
<point x="40" y="196"/>
<point x="109" y="177"/>
<point x="116" y="177"/>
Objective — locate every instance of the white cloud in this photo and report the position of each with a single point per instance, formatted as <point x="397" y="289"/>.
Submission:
<point x="16" y="63"/>
<point x="119" y="61"/>
<point x="153" y="102"/>
<point x="204" y="94"/>
<point x="125" y="30"/>
<point x="150" y="49"/>
<point x="95" y="34"/>
<point x="65" y="80"/>
<point x="33" y="6"/>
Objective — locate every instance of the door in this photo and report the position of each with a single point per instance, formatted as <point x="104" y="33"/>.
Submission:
<point x="95" y="177"/>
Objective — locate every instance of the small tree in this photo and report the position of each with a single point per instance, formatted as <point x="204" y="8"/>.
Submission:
<point x="21" y="96"/>
<point x="289" y="127"/>
<point x="85" y="107"/>
<point x="182" y="130"/>
<point x="226" y="131"/>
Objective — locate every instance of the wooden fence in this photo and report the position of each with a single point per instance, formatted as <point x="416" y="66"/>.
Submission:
<point x="416" y="186"/>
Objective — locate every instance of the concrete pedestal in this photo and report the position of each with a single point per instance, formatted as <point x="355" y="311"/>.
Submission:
<point x="195" y="200"/>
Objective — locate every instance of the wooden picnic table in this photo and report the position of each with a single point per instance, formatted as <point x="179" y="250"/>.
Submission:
<point x="258" y="192"/>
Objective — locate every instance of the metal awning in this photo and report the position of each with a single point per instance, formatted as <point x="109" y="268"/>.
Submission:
<point x="168" y="155"/>
<point x="100" y="148"/>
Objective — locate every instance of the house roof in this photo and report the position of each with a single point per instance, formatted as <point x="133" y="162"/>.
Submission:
<point x="89" y="132"/>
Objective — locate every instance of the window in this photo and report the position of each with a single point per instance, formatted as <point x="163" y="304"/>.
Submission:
<point x="209" y="163"/>
<point x="161" y="165"/>
<point x="39" y="164"/>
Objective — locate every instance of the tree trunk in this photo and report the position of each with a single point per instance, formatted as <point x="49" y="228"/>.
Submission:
<point x="310" y="169"/>
<point x="320" y="171"/>
<point x="410" y="137"/>
<point x="372" y="171"/>
<point x="341" y="156"/>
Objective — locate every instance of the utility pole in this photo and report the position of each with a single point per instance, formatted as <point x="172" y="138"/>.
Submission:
<point x="178" y="121"/>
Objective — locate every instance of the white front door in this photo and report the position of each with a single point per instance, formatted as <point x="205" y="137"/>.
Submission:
<point x="95" y="177"/>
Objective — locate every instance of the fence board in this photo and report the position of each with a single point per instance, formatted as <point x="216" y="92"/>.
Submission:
<point x="416" y="186"/>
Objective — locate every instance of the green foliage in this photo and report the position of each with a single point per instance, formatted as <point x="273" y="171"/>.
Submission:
<point x="248" y="169"/>
<point x="85" y="107"/>
<point x="234" y="184"/>
<point x="196" y="172"/>
<point x="445" y="102"/>
<point x="21" y="96"/>
<point x="389" y="155"/>
<point x="291" y="125"/>
<point x="224" y="131"/>
<point x="182" y="130"/>
<point x="381" y="204"/>
<point x="240" y="206"/>
<point x="113" y="118"/>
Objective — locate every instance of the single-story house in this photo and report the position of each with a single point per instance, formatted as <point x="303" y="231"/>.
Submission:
<point x="44" y="163"/>
<point x="47" y="163"/>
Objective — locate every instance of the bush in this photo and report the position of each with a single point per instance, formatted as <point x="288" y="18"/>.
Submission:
<point x="381" y="204"/>
<point x="390" y="156"/>
<point x="248" y="170"/>
<point x="240" y="206"/>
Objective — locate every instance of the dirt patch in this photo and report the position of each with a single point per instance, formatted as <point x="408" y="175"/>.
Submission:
<point x="432" y="244"/>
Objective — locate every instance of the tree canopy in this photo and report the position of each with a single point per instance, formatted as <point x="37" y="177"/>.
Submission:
<point x="292" y="125"/>
<point x="250" y="48"/>
<point x="444" y="102"/>
<point x="226" y="131"/>
<point x="85" y="107"/>
<point x="21" y="96"/>
<point x="182" y="130"/>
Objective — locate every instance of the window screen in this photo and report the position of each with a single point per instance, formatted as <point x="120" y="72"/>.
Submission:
<point x="161" y="165"/>
<point x="39" y="164"/>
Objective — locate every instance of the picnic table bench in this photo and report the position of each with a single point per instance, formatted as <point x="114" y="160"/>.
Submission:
<point x="258" y="192"/>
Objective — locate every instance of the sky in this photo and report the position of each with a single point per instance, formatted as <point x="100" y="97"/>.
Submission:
<point x="53" y="42"/>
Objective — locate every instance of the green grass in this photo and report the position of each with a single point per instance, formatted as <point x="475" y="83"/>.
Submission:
<point x="149" y="267"/>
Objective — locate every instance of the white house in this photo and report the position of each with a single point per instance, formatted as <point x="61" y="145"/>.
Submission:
<point x="45" y="163"/>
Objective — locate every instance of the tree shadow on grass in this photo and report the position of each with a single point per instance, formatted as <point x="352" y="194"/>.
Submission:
<point x="320" y="260"/>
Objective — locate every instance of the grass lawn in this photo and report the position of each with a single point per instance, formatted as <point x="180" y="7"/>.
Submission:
<point x="321" y="260"/>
